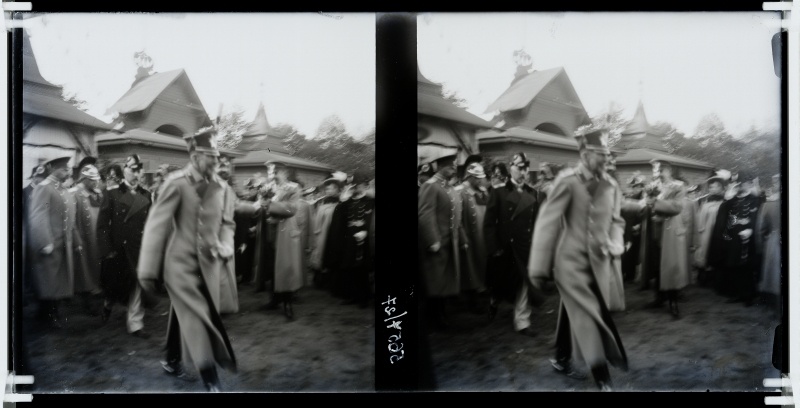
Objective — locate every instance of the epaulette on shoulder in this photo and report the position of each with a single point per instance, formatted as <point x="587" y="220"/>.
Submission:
<point x="430" y="181"/>
<point x="175" y="175"/>
<point x="45" y="182"/>
<point x="564" y="174"/>
<point x="458" y="187"/>
<point x="73" y="190"/>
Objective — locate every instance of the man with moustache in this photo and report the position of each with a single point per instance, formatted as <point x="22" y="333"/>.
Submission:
<point x="190" y="258"/>
<point x="441" y="237"/>
<point x="53" y="240"/>
<point x="577" y="235"/>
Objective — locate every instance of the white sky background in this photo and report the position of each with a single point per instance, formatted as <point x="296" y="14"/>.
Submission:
<point x="690" y="64"/>
<point x="311" y="66"/>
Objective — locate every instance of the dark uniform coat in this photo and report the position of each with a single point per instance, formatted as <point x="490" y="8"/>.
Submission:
<point x="52" y="219"/>
<point x="473" y="256"/>
<point x="578" y="233"/>
<point x="120" y="226"/>
<point x="87" y="262"/>
<point x="348" y="250"/>
<point x="191" y="258"/>
<point x="733" y="257"/>
<point x="508" y="226"/>
<point x="439" y="214"/>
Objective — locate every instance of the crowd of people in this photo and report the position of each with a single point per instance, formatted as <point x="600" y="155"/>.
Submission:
<point x="104" y="238"/>
<point x="513" y="235"/>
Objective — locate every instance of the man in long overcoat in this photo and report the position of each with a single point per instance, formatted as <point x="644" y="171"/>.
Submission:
<point x="281" y="210"/>
<point x="228" y="289"/>
<point x="347" y="247"/>
<point x="667" y="237"/>
<point x="37" y="175"/>
<point x="190" y="259"/>
<point x="705" y="218"/>
<point x="440" y="238"/>
<point x="87" y="262"/>
<point x="732" y="252"/>
<point x="120" y="226"/>
<point x="53" y="240"/>
<point x="508" y="229"/>
<point x="323" y="212"/>
<point x="578" y="233"/>
<point x="474" y="200"/>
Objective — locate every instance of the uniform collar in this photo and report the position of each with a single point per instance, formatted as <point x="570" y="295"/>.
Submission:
<point x="585" y="173"/>
<point x="440" y="179"/>
<point x="55" y="181"/>
<point x="195" y="175"/>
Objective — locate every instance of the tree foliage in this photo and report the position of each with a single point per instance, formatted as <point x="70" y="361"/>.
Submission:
<point x="611" y="119"/>
<point x="230" y="128"/>
<point x="73" y="99"/>
<point x="333" y="145"/>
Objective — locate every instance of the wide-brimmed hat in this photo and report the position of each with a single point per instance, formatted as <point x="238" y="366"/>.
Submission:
<point x="90" y="172"/>
<point x="475" y="170"/>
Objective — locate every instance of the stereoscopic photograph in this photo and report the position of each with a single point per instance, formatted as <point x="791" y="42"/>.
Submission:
<point x="600" y="200"/>
<point x="197" y="195"/>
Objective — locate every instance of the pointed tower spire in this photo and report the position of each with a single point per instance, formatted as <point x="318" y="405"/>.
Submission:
<point x="260" y="125"/>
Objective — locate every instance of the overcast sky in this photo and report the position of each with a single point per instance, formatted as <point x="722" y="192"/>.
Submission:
<point x="303" y="67"/>
<point x="688" y="64"/>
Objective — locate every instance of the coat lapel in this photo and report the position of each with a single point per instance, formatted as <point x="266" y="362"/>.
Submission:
<point x="138" y="201"/>
<point x="525" y="201"/>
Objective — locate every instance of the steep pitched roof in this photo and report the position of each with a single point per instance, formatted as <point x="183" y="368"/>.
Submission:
<point x="638" y="134"/>
<point x="30" y="68"/>
<point x="431" y="103"/>
<point x="639" y="123"/>
<point x="40" y="97"/>
<point x="521" y="93"/>
<point x="54" y="107"/>
<point x="260" y="125"/>
<point x="528" y="136"/>
<point x="143" y="137"/>
<point x="644" y="156"/>
<point x="259" y="157"/>
<point x="141" y="95"/>
<point x="261" y="136"/>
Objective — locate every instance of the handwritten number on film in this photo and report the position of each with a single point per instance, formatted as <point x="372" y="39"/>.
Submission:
<point x="395" y="346"/>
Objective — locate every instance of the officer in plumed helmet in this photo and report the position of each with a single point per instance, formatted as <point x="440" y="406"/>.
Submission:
<point x="190" y="259"/>
<point x="578" y="233"/>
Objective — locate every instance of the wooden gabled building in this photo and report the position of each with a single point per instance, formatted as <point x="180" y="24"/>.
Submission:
<point x="442" y="123"/>
<point x="538" y="115"/>
<point x="51" y="126"/>
<point x="641" y="143"/>
<point x="152" y="118"/>
<point x="262" y="143"/>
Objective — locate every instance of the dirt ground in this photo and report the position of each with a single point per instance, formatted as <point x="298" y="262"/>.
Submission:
<point x="714" y="346"/>
<point x="328" y="347"/>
